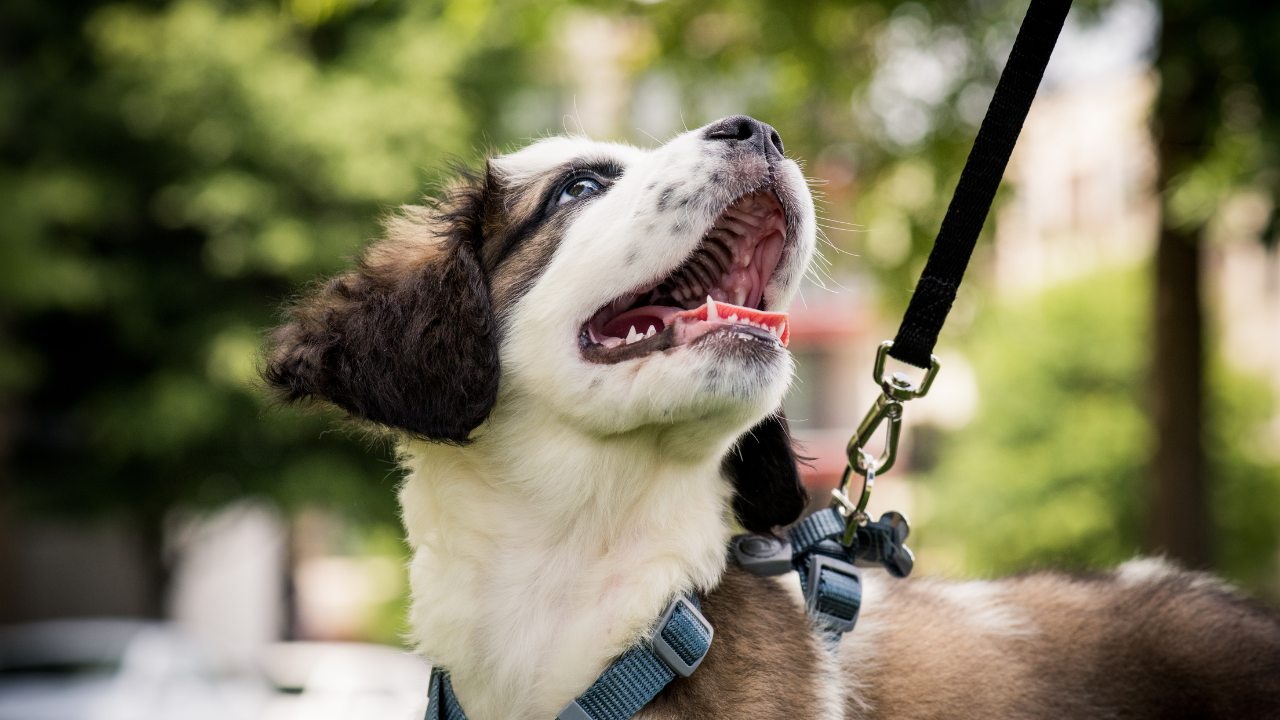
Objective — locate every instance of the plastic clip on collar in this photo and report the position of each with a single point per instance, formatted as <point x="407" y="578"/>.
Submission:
<point x="679" y="643"/>
<point x="831" y="584"/>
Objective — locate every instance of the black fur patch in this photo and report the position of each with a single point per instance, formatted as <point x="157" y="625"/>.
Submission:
<point x="408" y="339"/>
<point x="766" y="476"/>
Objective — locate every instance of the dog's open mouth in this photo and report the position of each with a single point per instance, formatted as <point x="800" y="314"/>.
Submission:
<point x="719" y="288"/>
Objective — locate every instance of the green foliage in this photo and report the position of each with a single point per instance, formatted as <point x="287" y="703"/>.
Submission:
<point x="831" y="77"/>
<point x="1245" y="481"/>
<point x="169" y="174"/>
<point x="171" y="171"/>
<point x="1052" y="470"/>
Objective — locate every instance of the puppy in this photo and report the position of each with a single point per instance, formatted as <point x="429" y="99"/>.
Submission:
<point x="582" y="348"/>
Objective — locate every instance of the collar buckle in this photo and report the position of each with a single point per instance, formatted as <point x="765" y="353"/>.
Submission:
<point x="833" y="593"/>
<point x="682" y="633"/>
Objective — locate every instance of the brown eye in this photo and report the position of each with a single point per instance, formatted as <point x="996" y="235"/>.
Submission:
<point x="576" y="188"/>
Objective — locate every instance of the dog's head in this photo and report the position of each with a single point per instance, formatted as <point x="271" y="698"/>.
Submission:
<point x="618" y="290"/>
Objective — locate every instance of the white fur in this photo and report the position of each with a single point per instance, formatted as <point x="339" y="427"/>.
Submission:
<point x="985" y="607"/>
<point x="1143" y="570"/>
<point x="593" y="493"/>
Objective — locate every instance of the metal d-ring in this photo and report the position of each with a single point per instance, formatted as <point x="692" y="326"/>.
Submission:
<point x="895" y="390"/>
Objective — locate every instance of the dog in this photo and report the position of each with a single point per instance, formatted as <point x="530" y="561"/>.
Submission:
<point x="581" y="349"/>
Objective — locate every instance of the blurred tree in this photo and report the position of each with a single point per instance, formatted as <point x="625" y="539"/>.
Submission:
<point x="169" y="172"/>
<point x="1050" y="472"/>
<point x="1217" y="128"/>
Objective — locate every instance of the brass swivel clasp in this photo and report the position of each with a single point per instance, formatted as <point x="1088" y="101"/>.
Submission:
<point x="895" y="390"/>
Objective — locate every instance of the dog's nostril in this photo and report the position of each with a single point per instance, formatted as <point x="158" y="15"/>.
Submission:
<point x="738" y="127"/>
<point x="748" y="130"/>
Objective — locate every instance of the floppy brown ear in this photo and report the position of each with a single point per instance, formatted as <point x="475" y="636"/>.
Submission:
<point x="408" y="339"/>
<point x="763" y="466"/>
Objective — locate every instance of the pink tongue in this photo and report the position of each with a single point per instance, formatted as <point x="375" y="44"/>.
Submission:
<point x="642" y="318"/>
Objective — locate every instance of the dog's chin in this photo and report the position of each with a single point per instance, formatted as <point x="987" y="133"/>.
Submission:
<point x="695" y="398"/>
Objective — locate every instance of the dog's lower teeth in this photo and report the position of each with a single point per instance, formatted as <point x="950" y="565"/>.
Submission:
<point x="634" y="336"/>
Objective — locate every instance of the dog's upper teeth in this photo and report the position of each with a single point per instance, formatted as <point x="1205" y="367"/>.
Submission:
<point x="633" y="336"/>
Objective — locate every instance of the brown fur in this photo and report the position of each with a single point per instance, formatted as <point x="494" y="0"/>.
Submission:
<point x="763" y="661"/>
<point x="1176" y="646"/>
<point x="406" y="340"/>
<point x="409" y="339"/>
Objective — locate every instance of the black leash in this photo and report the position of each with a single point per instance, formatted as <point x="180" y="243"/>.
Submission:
<point x="825" y="546"/>
<point x="983" y="170"/>
<point x="945" y="267"/>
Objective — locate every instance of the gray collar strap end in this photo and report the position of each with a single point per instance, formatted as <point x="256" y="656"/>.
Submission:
<point x="679" y="642"/>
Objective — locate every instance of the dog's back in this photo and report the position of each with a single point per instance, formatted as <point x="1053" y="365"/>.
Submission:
<point x="1147" y="641"/>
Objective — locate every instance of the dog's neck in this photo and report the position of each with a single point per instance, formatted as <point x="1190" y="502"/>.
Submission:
<point x="543" y="552"/>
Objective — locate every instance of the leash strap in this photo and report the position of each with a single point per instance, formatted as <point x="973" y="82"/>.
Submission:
<point x="982" y="172"/>
<point x="677" y="647"/>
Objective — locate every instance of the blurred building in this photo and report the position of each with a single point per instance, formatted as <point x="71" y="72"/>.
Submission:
<point x="1084" y="201"/>
<point x="1083" y="176"/>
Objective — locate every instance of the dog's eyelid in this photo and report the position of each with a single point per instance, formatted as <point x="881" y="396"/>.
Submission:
<point x="574" y="175"/>
<point x="602" y="168"/>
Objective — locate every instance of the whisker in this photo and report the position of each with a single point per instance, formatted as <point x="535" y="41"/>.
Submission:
<point x="838" y="222"/>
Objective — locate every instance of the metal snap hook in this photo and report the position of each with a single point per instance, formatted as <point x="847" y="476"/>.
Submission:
<point x="895" y="390"/>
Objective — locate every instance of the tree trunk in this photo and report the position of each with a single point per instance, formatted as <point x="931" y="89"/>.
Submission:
<point x="1187" y="109"/>
<point x="1179" y="520"/>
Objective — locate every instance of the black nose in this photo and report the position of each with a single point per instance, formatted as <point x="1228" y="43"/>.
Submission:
<point x="750" y="131"/>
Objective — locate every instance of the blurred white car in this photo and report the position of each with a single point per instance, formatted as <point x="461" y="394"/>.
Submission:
<point x="116" y="670"/>
<point x="138" y="670"/>
<point x="345" y="681"/>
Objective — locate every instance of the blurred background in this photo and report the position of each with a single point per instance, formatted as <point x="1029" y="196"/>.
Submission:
<point x="171" y="545"/>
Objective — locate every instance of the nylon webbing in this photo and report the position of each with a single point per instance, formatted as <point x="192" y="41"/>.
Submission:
<point x="982" y="172"/>
<point x="821" y="525"/>
<point x="621" y="690"/>
<point x="834" y="597"/>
